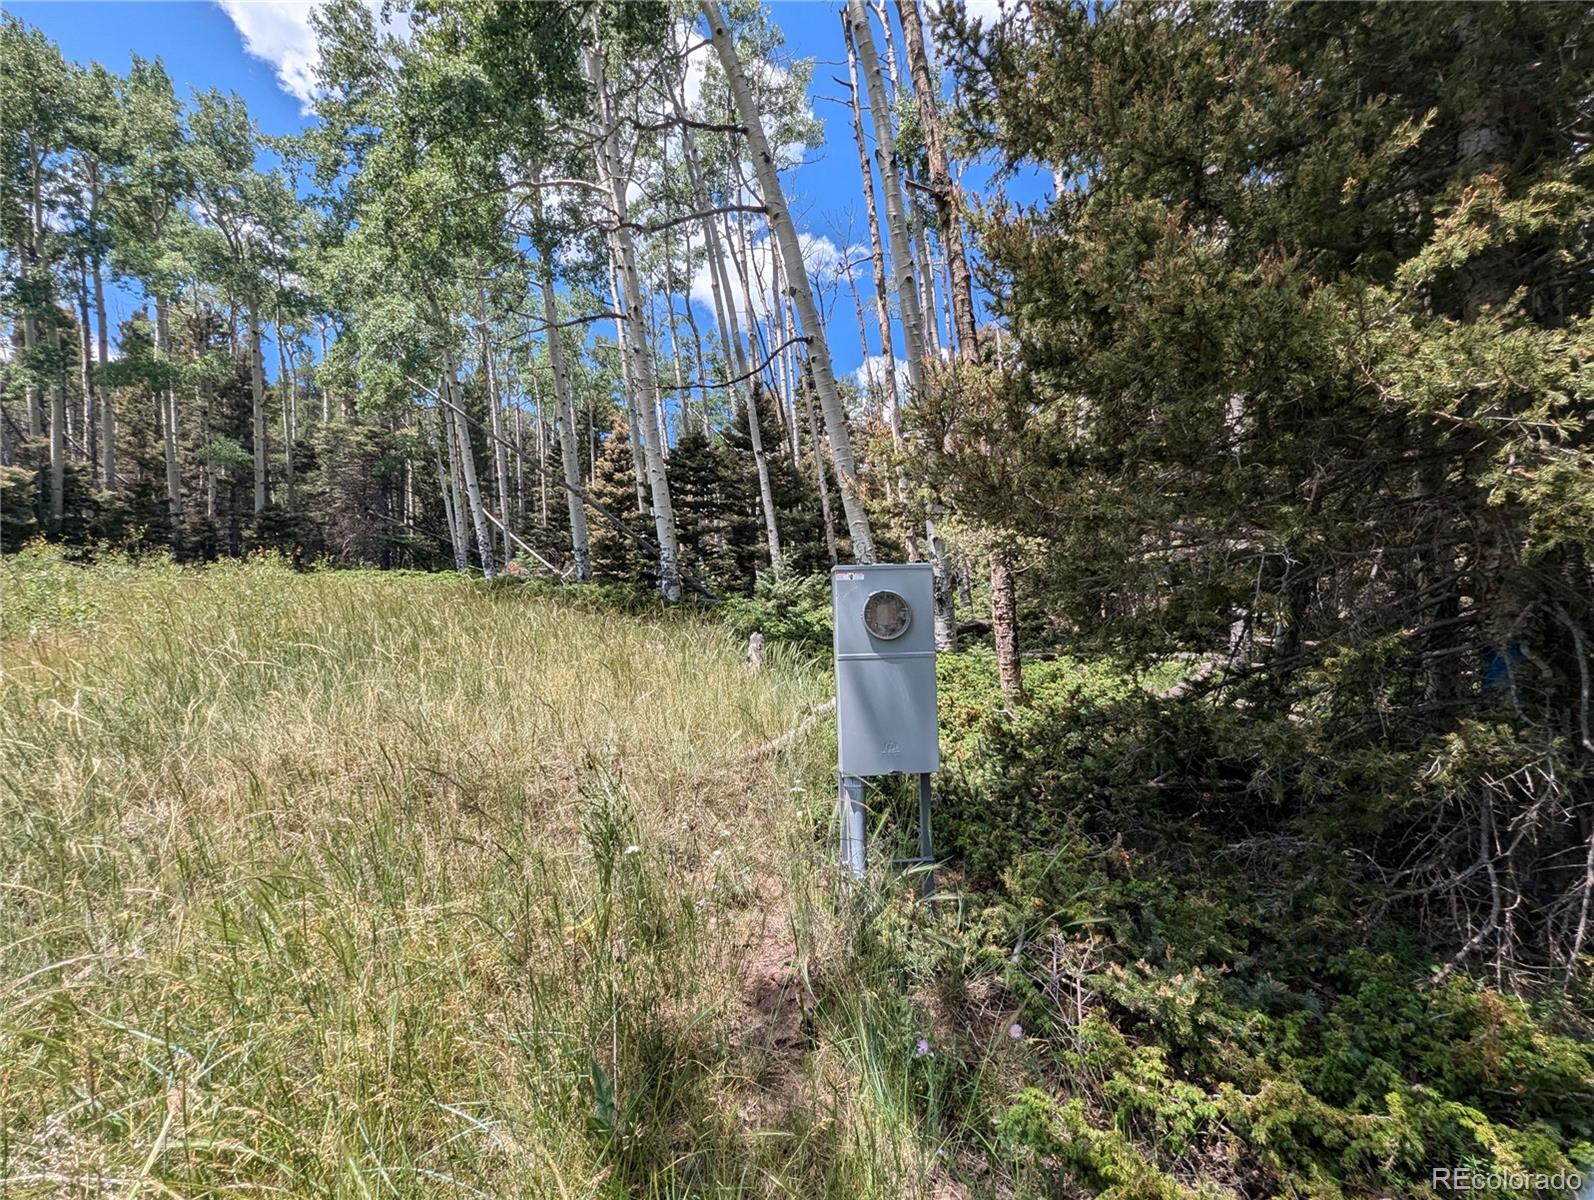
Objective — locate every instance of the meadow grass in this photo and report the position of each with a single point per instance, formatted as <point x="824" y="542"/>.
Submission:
<point x="352" y="884"/>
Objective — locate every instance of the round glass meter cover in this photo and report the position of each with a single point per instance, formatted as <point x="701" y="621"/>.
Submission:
<point x="887" y="615"/>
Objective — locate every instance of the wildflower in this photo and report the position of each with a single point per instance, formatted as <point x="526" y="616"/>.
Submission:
<point x="716" y="854"/>
<point x="1015" y="1031"/>
<point x="921" y="1047"/>
<point x="796" y="788"/>
<point x="725" y="833"/>
<point x="633" y="848"/>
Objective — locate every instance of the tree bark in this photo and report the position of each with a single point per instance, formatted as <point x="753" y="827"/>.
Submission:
<point x="107" y="404"/>
<point x="564" y="410"/>
<point x="467" y="462"/>
<point x="942" y="187"/>
<point x="257" y="397"/>
<point x="445" y="486"/>
<point x="285" y="389"/>
<point x="885" y="149"/>
<point x="91" y="421"/>
<point x="786" y="236"/>
<point x="730" y="333"/>
<point x="168" y="405"/>
<point x="496" y="424"/>
<point x="892" y="398"/>
<point x="1004" y="624"/>
<point x="646" y="436"/>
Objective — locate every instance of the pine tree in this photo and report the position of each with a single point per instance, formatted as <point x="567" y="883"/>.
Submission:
<point x="1297" y="389"/>
<point x="802" y="533"/>
<point x="717" y="511"/>
<point x="617" y="558"/>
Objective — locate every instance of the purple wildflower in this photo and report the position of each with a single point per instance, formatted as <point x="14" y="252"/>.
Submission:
<point x="921" y="1047"/>
<point x="1015" y="1031"/>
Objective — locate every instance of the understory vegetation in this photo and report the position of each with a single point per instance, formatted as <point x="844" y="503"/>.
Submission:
<point x="356" y="883"/>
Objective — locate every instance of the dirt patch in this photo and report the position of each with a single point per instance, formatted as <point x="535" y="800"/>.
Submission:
<point x="770" y="1037"/>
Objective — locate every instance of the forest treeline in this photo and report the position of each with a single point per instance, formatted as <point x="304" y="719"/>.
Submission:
<point x="1287" y="382"/>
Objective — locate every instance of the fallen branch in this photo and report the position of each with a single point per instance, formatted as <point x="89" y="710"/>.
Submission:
<point x="810" y="719"/>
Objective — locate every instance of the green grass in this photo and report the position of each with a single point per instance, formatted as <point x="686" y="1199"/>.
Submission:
<point x="367" y="885"/>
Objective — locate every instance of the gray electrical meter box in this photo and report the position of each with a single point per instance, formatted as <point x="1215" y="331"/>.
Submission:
<point x="885" y="669"/>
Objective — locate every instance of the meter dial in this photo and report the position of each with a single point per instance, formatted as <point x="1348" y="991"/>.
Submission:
<point x="887" y="615"/>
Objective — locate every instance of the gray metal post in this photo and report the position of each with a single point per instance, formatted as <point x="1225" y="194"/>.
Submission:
<point x="926" y="850"/>
<point x="854" y="826"/>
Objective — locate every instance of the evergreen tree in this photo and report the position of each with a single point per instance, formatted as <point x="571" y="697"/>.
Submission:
<point x="617" y="558"/>
<point x="1296" y="384"/>
<point x="802" y="533"/>
<point x="716" y="508"/>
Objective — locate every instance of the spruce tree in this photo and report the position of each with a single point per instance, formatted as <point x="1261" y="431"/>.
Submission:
<point x="1296" y="385"/>
<point x="616" y="558"/>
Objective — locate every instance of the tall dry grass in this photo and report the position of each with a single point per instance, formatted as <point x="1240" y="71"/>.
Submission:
<point x="373" y="885"/>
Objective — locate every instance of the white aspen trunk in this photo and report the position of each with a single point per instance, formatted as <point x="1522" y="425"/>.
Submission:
<point x="819" y="480"/>
<point x="520" y="472"/>
<point x="86" y="373"/>
<point x="785" y="233"/>
<point x="660" y="416"/>
<point x="565" y="412"/>
<point x="730" y="334"/>
<point x="168" y="405"/>
<point x="285" y="388"/>
<point x="58" y="446"/>
<point x="467" y="461"/>
<point x="107" y="402"/>
<point x="650" y="440"/>
<point x="496" y="424"/>
<point x="918" y="243"/>
<point x="885" y="148"/>
<point x="257" y="393"/>
<point x="445" y="486"/>
<point x="326" y="394"/>
<point x="892" y="397"/>
<point x="792" y="365"/>
<point x="633" y="409"/>
<point x="942" y="187"/>
<point x="30" y="340"/>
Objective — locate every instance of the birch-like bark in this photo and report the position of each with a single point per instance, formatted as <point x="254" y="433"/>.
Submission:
<point x="785" y="232"/>
<point x="445" y="486"/>
<point x="647" y="436"/>
<point x="565" y="413"/>
<point x="819" y="480"/>
<point x="285" y="388"/>
<point x="730" y="335"/>
<point x="893" y="400"/>
<point x="942" y="187"/>
<point x="885" y="149"/>
<point x="58" y="444"/>
<point x="107" y="404"/>
<point x="467" y="462"/>
<point x="496" y="424"/>
<point x="633" y="407"/>
<point x="30" y="340"/>
<point x="168" y="403"/>
<point x="257" y="395"/>
<point x="91" y="422"/>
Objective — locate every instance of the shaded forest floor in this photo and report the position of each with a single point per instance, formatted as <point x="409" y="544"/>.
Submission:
<point x="358" y="884"/>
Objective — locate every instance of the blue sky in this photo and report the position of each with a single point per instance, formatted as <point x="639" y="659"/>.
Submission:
<point x="204" y="45"/>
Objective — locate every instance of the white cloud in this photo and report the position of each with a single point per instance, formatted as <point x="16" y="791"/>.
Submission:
<point x="821" y="256"/>
<point x="279" y="32"/>
<point x="988" y="12"/>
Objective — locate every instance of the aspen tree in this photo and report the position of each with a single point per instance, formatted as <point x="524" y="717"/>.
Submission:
<point x="785" y="232"/>
<point x="645" y="431"/>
